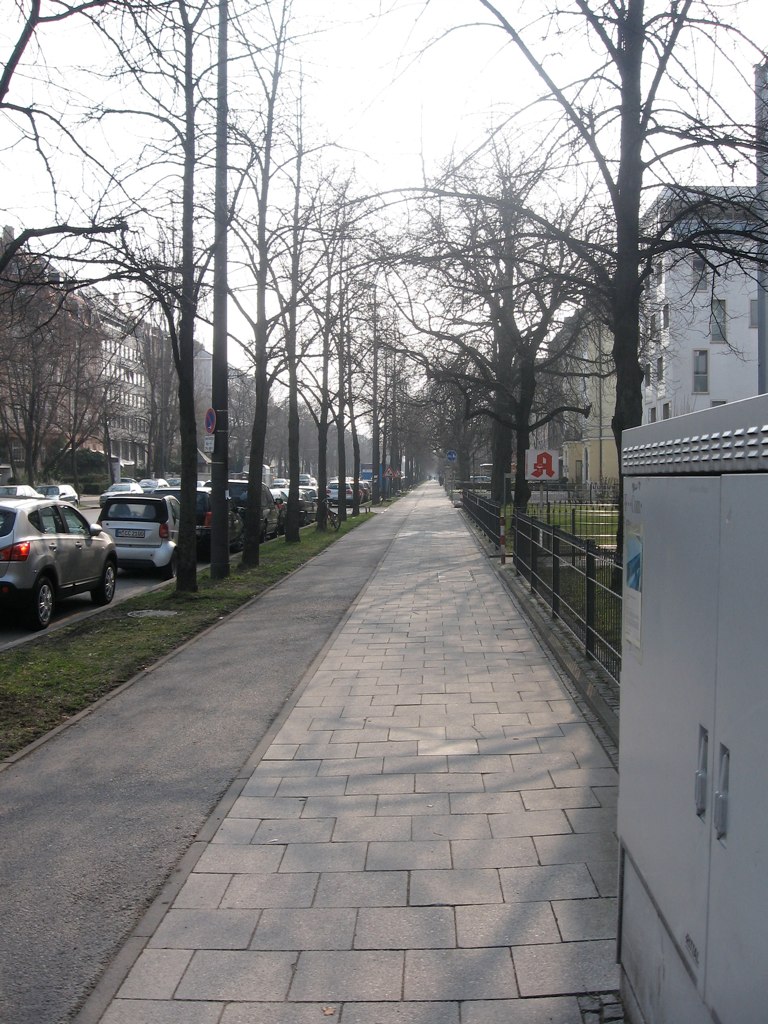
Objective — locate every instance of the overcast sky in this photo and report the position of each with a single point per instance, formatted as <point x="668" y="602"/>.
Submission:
<point x="426" y="77"/>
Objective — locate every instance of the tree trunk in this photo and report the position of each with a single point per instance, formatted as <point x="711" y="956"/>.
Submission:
<point x="292" y="531"/>
<point x="186" y="576"/>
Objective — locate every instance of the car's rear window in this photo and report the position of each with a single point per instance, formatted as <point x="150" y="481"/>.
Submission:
<point x="7" y="519"/>
<point x="143" y="511"/>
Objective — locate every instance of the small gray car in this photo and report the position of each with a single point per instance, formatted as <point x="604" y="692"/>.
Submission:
<point x="48" y="551"/>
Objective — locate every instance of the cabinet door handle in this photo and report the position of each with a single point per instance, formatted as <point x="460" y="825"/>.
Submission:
<point x="700" y="784"/>
<point x="721" y="794"/>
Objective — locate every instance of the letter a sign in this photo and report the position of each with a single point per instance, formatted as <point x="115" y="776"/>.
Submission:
<point x="541" y="464"/>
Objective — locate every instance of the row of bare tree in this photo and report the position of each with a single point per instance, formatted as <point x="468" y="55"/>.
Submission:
<point x="463" y="299"/>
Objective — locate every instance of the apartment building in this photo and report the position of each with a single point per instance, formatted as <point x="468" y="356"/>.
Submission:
<point x="701" y="315"/>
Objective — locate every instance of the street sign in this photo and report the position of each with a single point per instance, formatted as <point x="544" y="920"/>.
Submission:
<point x="389" y="472"/>
<point x="208" y="443"/>
<point x="451" y="455"/>
<point x="541" y="464"/>
<point x="210" y="421"/>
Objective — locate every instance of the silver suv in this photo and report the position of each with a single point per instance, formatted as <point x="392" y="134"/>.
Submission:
<point x="48" y="550"/>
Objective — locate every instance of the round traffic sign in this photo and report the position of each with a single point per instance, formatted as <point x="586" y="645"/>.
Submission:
<point x="451" y="455"/>
<point x="210" y="421"/>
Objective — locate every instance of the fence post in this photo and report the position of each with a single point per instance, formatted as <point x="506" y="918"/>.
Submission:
<point x="502" y="535"/>
<point x="590" y="580"/>
<point x="555" y="574"/>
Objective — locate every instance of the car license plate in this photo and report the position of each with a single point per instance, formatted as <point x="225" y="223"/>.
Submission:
<point x="130" y="533"/>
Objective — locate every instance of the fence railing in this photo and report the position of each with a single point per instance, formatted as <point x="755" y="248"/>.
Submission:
<point x="595" y="521"/>
<point x="486" y="514"/>
<point x="575" y="575"/>
<point x="579" y="580"/>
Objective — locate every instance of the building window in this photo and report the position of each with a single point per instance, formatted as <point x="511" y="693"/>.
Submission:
<point x="713" y="404"/>
<point x="717" y="321"/>
<point x="665" y="315"/>
<point x="699" y="268"/>
<point x="753" y="312"/>
<point x="665" y="411"/>
<point x="659" y="271"/>
<point x="660" y="369"/>
<point x="647" y="375"/>
<point x="700" y="371"/>
<point x="652" y="415"/>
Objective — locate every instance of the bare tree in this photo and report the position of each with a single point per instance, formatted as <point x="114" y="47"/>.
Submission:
<point x="640" y="116"/>
<point x="253" y="229"/>
<point x="40" y="127"/>
<point x="496" y="293"/>
<point x="52" y="374"/>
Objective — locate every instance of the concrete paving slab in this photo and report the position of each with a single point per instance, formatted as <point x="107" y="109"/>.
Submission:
<point x="522" y="1011"/>
<point x="310" y="928"/>
<point x="401" y="1013"/>
<point x="569" y="967"/>
<point x="405" y="928"/>
<point x="344" y="976"/>
<point x="237" y="975"/>
<point x="459" y="974"/>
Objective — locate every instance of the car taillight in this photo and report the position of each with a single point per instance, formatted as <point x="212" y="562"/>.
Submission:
<point x="207" y="521"/>
<point x="164" y="531"/>
<point x="16" y="552"/>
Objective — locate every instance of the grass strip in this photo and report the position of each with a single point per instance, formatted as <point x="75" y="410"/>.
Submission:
<point x="54" y="676"/>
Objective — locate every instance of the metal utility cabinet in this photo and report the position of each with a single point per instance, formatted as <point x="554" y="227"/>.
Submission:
<point x="693" y="794"/>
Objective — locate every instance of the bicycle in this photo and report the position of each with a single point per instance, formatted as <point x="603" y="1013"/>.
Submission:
<point x="332" y="517"/>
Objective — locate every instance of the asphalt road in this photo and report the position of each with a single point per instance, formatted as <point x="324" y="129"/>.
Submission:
<point x="93" y="822"/>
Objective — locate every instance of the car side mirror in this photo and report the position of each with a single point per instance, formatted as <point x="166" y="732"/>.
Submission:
<point x="94" y="529"/>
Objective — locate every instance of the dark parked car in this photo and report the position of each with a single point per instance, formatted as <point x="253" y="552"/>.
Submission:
<point x="307" y="505"/>
<point x="280" y="498"/>
<point x="48" y="551"/>
<point x="145" y="529"/>
<point x="203" y="515"/>
<point x="238" y="493"/>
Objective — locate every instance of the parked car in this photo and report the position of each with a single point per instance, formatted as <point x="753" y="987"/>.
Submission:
<point x="19" y="491"/>
<point x="145" y="530"/>
<point x="48" y="551"/>
<point x="64" y="492"/>
<point x="305" y="480"/>
<point x="281" y="483"/>
<point x="307" y="505"/>
<point x="150" y="484"/>
<point x="333" y="493"/>
<point x="238" y="493"/>
<point x="122" y="487"/>
<point x="203" y="516"/>
<point x="173" y="481"/>
<point x="280" y="498"/>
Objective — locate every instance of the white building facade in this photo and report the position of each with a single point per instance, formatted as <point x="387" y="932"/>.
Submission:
<point x="701" y="335"/>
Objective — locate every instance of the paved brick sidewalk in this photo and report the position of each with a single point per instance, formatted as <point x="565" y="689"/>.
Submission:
<point x="428" y="839"/>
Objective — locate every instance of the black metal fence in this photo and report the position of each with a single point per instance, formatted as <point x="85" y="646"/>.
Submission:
<point x="486" y="514"/>
<point x="578" y="580"/>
